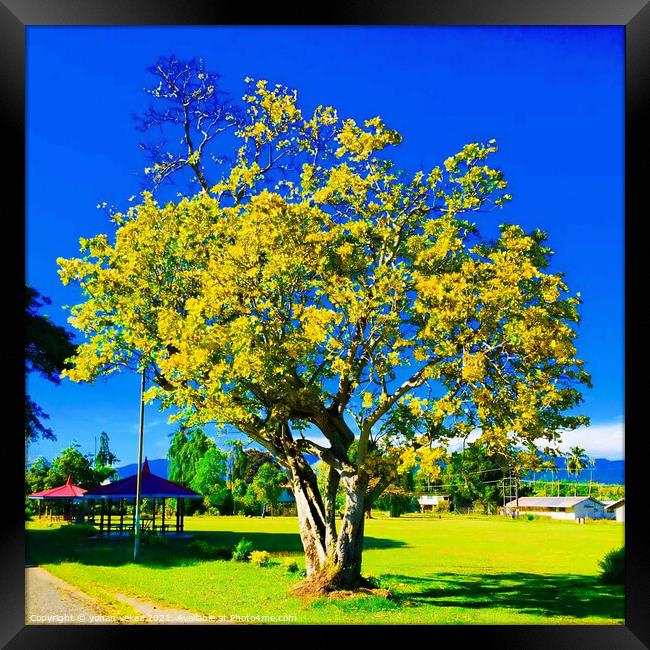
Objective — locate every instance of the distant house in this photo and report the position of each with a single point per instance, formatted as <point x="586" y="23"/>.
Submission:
<point x="286" y="504"/>
<point x="428" y="502"/>
<point x="615" y="509"/>
<point x="286" y="496"/>
<point x="557" y="507"/>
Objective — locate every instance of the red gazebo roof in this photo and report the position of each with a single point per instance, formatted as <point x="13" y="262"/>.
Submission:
<point x="150" y="486"/>
<point x="65" y="491"/>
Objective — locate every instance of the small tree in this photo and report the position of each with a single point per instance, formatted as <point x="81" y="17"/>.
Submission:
<point x="267" y="484"/>
<point x="71" y="462"/>
<point x="576" y="462"/>
<point x="210" y="480"/>
<point x="36" y="476"/>
<point x="105" y="457"/>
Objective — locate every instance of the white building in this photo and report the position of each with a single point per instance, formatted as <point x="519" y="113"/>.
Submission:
<point x="557" y="507"/>
<point x="615" y="509"/>
<point x="430" y="501"/>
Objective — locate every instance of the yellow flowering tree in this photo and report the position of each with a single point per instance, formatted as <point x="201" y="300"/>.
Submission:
<point x="316" y="293"/>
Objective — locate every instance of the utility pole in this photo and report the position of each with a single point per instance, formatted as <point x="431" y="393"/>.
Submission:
<point x="136" y="540"/>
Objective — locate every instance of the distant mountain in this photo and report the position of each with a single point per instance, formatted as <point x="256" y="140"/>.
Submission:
<point x="607" y="472"/>
<point x="158" y="466"/>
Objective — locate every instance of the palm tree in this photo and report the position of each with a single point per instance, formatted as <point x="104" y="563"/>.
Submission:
<point x="576" y="461"/>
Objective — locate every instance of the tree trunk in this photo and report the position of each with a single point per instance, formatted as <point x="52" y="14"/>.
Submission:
<point x="349" y="547"/>
<point x="332" y="560"/>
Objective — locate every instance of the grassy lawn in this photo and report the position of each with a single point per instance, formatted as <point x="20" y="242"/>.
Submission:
<point x="458" y="569"/>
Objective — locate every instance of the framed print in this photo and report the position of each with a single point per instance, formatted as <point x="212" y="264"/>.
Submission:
<point x="326" y="324"/>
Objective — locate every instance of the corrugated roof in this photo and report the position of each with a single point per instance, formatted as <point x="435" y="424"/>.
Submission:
<point x="612" y="505"/>
<point x="549" y="502"/>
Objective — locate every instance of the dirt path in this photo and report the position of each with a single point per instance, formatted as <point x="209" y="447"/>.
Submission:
<point x="51" y="601"/>
<point x="157" y="614"/>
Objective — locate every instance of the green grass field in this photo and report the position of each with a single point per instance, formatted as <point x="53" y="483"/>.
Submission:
<point x="454" y="570"/>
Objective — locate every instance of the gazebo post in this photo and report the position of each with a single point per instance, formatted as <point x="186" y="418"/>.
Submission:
<point x="163" y="516"/>
<point x="39" y="508"/>
<point x="153" y="517"/>
<point x="110" y="507"/>
<point x="121" y="516"/>
<point x="182" y="514"/>
<point x="178" y="513"/>
<point x="101" y="517"/>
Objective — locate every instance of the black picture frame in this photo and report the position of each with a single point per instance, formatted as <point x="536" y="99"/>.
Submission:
<point x="634" y="15"/>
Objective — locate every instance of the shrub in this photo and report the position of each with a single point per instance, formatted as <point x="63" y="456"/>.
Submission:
<point x="291" y="566"/>
<point x="442" y="506"/>
<point x="261" y="558"/>
<point x="78" y="530"/>
<point x="530" y="517"/>
<point x="613" y="566"/>
<point x="155" y="540"/>
<point x="199" y="548"/>
<point x="395" y="501"/>
<point x="242" y="550"/>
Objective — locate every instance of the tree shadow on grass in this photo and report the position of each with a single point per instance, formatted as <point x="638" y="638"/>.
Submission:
<point x="53" y="547"/>
<point x="542" y="595"/>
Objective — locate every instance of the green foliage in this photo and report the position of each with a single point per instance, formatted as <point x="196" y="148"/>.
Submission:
<point x="70" y="462"/>
<point x="442" y="506"/>
<point x="245" y="499"/>
<point x="242" y="550"/>
<point x="78" y="530"/>
<point x="267" y="483"/>
<point x="36" y="475"/>
<point x="187" y="448"/>
<point x="203" y="549"/>
<point x="237" y="461"/>
<point x="472" y="475"/>
<point x="291" y="566"/>
<point x="260" y="558"/>
<point x="583" y="489"/>
<point x="255" y="460"/>
<point x="395" y="501"/>
<point x="613" y="567"/>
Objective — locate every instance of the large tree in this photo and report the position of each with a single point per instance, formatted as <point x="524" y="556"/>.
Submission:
<point x="315" y="292"/>
<point x="47" y="346"/>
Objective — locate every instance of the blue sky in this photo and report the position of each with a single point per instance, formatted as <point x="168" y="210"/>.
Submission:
<point x="552" y="97"/>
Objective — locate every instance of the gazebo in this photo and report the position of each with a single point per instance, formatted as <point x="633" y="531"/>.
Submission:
<point x="151" y="487"/>
<point x="68" y="492"/>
